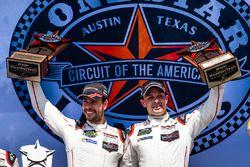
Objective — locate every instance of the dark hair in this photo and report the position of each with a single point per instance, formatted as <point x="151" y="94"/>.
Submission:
<point x="104" y="99"/>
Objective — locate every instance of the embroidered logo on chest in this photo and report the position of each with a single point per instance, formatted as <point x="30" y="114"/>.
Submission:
<point x="110" y="142"/>
<point x="170" y="137"/>
<point x="144" y="131"/>
<point x="90" y="133"/>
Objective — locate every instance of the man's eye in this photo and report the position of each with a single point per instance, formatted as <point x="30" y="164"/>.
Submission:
<point x="160" y="96"/>
<point x="87" y="101"/>
<point x="150" y="98"/>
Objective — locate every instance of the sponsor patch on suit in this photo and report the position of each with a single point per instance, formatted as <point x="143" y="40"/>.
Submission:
<point x="110" y="142"/>
<point x="91" y="141"/>
<point x="144" y="131"/>
<point x="170" y="137"/>
<point x="90" y="133"/>
<point x="145" y="138"/>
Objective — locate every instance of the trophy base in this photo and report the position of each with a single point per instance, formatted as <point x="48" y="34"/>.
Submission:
<point x="219" y="70"/>
<point x="27" y="66"/>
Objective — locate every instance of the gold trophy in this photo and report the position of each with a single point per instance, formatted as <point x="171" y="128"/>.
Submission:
<point x="32" y="64"/>
<point x="215" y="67"/>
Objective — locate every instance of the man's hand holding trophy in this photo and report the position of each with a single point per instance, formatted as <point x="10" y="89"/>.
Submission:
<point x="32" y="63"/>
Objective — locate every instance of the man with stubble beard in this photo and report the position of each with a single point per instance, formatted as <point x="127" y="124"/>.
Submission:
<point x="93" y="143"/>
<point x="161" y="141"/>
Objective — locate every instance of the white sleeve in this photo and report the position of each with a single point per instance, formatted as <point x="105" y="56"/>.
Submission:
<point x="54" y="119"/>
<point x="206" y="113"/>
<point x="129" y="158"/>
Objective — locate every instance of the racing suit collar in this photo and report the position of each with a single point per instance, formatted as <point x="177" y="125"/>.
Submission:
<point x="156" y="120"/>
<point x="97" y="126"/>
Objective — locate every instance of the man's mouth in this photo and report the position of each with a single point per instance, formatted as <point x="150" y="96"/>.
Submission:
<point x="158" y="107"/>
<point x="89" y="112"/>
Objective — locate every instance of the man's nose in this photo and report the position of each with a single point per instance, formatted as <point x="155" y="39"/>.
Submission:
<point x="87" y="105"/>
<point x="156" y="100"/>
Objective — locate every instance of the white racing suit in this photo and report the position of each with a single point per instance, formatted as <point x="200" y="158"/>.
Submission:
<point x="167" y="142"/>
<point x="88" y="145"/>
<point x="8" y="159"/>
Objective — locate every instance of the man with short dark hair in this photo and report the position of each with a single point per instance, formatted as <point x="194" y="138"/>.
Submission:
<point x="161" y="141"/>
<point x="91" y="144"/>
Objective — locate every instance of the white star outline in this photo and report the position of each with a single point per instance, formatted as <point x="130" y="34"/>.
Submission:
<point x="36" y="155"/>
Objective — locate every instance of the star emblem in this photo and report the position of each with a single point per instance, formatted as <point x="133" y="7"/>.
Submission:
<point x="36" y="155"/>
<point x="138" y="45"/>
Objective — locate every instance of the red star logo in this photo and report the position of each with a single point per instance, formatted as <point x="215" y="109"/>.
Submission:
<point x="144" y="49"/>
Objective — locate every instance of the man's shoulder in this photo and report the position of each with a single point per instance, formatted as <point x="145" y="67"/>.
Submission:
<point x="182" y="119"/>
<point x="113" y="129"/>
<point x="116" y="132"/>
<point x="77" y="124"/>
<point x="134" y="128"/>
<point x="8" y="158"/>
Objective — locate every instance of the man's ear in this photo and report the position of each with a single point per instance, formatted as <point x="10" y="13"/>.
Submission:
<point x="143" y="103"/>
<point x="105" y="104"/>
<point x="166" y="99"/>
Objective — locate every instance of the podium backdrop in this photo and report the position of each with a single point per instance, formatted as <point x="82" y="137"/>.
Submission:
<point x="121" y="43"/>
